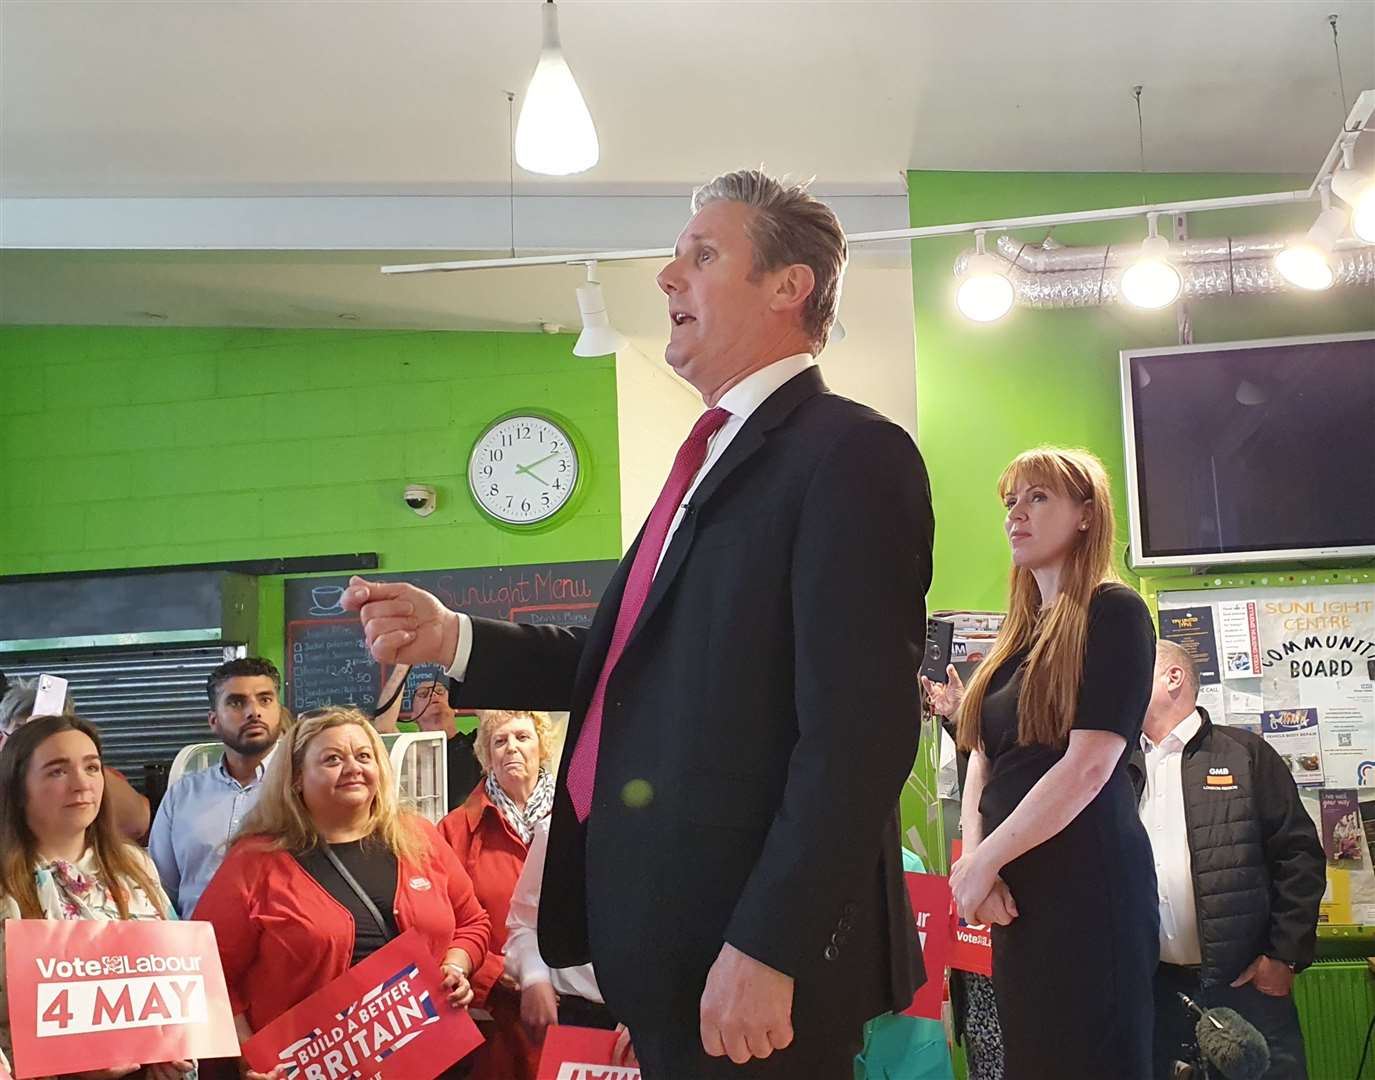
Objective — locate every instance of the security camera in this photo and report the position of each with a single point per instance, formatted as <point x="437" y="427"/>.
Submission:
<point x="420" y="498"/>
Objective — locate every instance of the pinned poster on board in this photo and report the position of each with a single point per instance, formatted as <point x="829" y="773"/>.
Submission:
<point x="1240" y="631"/>
<point x="1293" y="733"/>
<point x="387" y="1016"/>
<point x="1192" y="630"/>
<point x="84" y="993"/>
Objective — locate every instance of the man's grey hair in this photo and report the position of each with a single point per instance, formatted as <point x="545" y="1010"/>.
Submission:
<point x="1167" y="653"/>
<point x="16" y="708"/>
<point x="789" y="226"/>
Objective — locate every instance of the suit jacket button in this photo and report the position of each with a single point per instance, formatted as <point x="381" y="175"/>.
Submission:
<point x="846" y="923"/>
<point x="831" y="952"/>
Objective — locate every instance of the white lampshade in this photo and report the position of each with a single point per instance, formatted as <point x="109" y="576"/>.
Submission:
<point x="598" y="337"/>
<point x="1151" y="282"/>
<point x="1307" y="263"/>
<point x="985" y="294"/>
<point x="1357" y="190"/>
<point x="555" y="134"/>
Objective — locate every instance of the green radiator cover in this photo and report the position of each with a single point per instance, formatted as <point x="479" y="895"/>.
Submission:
<point x="1335" y="999"/>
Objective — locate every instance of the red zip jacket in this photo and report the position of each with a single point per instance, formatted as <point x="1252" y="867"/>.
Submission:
<point x="281" y="936"/>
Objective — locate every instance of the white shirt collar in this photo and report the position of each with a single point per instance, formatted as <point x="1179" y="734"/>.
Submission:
<point x="752" y="391"/>
<point x="1185" y="730"/>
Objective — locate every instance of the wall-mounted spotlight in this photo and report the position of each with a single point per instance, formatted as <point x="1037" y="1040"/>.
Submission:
<point x="1357" y="190"/>
<point x="985" y="293"/>
<point x="1152" y="281"/>
<point x="598" y="337"/>
<point x="1306" y="263"/>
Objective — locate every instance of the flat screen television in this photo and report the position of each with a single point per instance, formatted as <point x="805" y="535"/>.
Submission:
<point x="1251" y="451"/>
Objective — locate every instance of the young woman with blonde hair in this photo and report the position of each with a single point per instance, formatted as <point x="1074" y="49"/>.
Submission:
<point x="1055" y="856"/>
<point x="327" y="868"/>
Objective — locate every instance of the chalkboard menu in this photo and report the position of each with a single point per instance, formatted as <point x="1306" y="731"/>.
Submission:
<point x="327" y="661"/>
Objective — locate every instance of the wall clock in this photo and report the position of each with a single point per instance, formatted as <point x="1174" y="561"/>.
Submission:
<point x="523" y="469"/>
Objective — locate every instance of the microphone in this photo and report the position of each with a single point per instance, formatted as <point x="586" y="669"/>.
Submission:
<point x="1229" y="1043"/>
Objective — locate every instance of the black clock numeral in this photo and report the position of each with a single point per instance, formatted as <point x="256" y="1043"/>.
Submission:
<point x="493" y="490"/>
<point x="486" y="472"/>
<point x="506" y="439"/>
<point x="509" y="500"/>
<point x="495" y="455"/>
<point x="544" y="498"/>
<point x="563" y="464"/>
<point x="522" y="432"/>
<point x="524" y="506"/>
<point x="558" y="483"/>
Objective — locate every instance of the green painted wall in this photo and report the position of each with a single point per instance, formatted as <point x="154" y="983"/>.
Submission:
<point x="149" y="447"/>
<point x="987" y="392"/>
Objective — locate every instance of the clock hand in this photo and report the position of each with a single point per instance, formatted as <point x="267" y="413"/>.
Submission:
<point x="527" y="472"/>
<point x="541" y="461"/>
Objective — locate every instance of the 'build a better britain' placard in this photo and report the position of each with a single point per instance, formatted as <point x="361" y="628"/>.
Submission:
<point x="90" y="994"/>
<point x="387" y="1017"/>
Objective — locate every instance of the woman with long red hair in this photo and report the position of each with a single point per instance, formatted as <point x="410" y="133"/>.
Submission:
<point x="1055" y="856"/>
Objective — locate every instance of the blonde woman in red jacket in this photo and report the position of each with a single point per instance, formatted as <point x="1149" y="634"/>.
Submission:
<point x="288" y="919"/>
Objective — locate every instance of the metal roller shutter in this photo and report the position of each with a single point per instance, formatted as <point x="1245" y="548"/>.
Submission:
<point x="147" y="702"/>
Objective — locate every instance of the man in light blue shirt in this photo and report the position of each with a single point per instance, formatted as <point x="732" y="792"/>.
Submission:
<point x="203" y="810"/>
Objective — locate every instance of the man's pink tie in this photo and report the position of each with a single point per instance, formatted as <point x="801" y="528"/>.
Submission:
<point x="582" y="770"/>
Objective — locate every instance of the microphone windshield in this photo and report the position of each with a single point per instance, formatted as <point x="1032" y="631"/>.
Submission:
<point x="1232" y="1045"/>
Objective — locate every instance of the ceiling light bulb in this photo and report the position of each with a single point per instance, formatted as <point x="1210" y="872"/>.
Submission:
<point x="1307" y="263"/>
<point x="1357" y="190"/>
<point x="555" y="134"/>
<point x="985" y="293"/>
<point x="1151" y="282"/>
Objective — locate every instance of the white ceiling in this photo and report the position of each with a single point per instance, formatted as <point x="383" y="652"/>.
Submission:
<point x="202" y="96"/>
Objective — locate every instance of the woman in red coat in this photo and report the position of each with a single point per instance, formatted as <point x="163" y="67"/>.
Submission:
<point x="287" y="919"/>
<point x="491" y="833"/>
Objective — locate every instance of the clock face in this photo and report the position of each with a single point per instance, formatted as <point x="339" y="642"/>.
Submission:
<point x="523" y="470"/>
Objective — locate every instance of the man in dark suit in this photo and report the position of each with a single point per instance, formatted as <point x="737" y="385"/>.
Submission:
<point x="744" y="709"/>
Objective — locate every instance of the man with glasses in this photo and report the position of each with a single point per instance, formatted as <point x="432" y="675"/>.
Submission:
<point x="431" y="711"/>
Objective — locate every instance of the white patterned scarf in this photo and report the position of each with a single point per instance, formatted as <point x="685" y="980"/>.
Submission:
<point x="537" y="807"/>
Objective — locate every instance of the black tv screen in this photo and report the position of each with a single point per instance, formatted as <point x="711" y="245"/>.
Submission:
<point x="1251" y="451"/>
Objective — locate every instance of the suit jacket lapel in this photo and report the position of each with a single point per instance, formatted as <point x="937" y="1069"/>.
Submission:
<point x="771" y="413"/>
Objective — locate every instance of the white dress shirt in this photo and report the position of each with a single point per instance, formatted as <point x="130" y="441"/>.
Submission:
<point x="1162" y="813"/>
<point x="741" y="401"/>
<point x="523" y="960"/>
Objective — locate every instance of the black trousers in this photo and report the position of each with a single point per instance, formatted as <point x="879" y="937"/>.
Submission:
<point x="1276" y="1018"/>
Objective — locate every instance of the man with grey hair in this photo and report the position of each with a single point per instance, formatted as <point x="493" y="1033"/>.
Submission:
<point x="744" y="707"/>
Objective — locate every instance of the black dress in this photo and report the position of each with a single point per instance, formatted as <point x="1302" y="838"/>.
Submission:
<point x="1073" y="972"/>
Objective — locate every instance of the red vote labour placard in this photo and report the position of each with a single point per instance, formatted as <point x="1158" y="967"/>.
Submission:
<point x="972" y="949"/>
<point x="930" y="897"/>
<point x="574" y="1053"/>
<point x="385" y="1017"/>
<point x="90" y="994"/>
